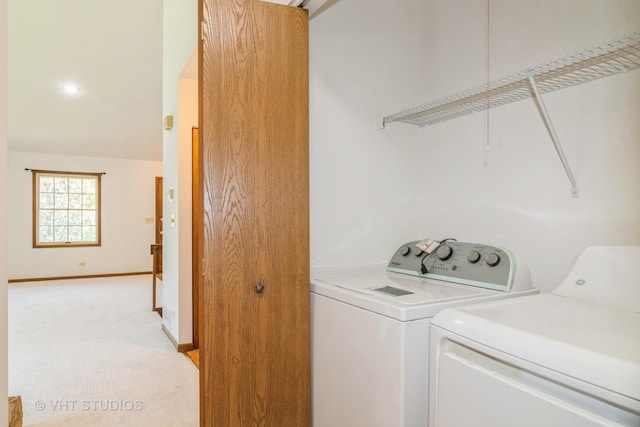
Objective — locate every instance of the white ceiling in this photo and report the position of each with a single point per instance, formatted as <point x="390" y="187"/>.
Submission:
<point x="113" y="51"/>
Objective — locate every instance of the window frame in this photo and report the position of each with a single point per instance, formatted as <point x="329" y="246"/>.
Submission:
<point x="36" y="209"/>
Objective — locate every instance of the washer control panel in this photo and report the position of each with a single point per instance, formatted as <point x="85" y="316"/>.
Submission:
<point x="470" y="264"/>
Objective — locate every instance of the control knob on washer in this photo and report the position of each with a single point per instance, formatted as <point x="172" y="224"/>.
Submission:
<point x="492" y="259"/>
<point x="404" y="250"/>
<point x="473" y="256"/>
<point x="417" y="251"/>
<point x="444" y="252"/>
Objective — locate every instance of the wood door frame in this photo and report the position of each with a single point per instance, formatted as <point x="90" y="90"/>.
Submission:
<point x="196" y="242"/>
<point x="158" y="221"/>
<point x="156" y="249"/>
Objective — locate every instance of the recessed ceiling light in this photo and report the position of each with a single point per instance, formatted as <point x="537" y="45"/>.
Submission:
<point x="70" y="89"/>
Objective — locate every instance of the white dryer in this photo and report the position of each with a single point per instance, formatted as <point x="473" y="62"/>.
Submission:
<point x="370" y="330"/>
<point x="569" y="358"/>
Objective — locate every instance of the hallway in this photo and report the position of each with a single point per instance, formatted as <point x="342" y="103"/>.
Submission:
<point x="90" y="352"/>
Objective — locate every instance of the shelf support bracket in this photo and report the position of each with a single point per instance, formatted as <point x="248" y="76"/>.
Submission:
<point x="554" y="137"/>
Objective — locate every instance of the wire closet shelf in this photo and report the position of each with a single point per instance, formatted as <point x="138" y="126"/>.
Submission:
<point x="617" y="56"/>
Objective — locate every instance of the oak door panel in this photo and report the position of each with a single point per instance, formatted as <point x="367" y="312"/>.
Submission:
<point x="254" y="131"/>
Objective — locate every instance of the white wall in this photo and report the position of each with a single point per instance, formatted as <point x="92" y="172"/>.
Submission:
<point x="4" y="390"/>
<point x="364" y="62"/>
<point x="188" y="113"/>
<point x="180" y="38"/>
<point x="128" y="197"/>
<point x="370" y="191"/>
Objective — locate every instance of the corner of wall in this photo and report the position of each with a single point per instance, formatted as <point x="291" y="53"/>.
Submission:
<point x="3" y="213"/>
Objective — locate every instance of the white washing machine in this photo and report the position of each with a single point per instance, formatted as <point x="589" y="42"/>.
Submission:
<point x="569" y="358"/>
<point x="370" y="330"/>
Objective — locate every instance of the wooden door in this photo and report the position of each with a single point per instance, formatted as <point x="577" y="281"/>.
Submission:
<point x="254" y="345"/>
<point x="196" y="220"/>
<point x="158" y="221"/>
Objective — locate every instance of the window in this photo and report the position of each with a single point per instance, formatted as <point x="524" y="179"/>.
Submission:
<point x="66" y="209"/>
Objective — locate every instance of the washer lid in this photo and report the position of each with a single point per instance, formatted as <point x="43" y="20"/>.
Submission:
<point x="590" y="342"/>
<point x="399" y="296"/>
<point x="402" y="290"/>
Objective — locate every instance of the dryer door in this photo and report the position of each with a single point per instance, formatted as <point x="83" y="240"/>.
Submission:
<point x="471" y="395"/>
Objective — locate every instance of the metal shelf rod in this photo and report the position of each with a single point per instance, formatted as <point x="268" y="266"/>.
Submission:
<point x="554" y="136"/>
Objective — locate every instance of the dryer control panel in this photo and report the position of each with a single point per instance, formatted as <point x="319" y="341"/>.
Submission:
<point x="470" y="264"/>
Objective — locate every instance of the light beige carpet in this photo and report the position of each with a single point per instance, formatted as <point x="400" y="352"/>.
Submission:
<point x="90" y="352"/>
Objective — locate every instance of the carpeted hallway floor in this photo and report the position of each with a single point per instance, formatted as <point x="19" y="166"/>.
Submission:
<point x="90" y="352"/>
